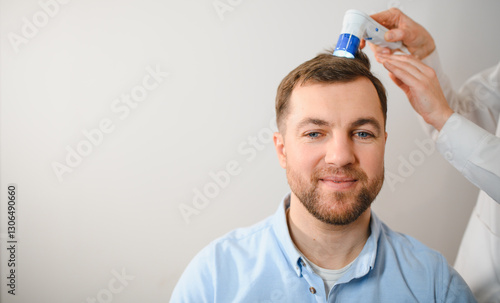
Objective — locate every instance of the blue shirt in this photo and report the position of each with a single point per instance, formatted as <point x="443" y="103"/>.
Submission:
<point x="260" y="264"/>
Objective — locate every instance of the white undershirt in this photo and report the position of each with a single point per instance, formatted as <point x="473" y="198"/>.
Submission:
<point x="329" y="276"/>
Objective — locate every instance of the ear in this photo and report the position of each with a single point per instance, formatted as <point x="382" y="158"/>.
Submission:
<point x="385" y="137"/>
<point x="279" y="144"/>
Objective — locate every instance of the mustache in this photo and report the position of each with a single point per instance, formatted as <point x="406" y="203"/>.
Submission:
<point x="345" y="171"/>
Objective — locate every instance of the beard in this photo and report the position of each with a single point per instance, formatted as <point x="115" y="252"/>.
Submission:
<point x="336" y="208"/>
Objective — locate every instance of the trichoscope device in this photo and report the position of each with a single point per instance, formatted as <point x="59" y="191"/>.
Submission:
<point x="356" y="26"/>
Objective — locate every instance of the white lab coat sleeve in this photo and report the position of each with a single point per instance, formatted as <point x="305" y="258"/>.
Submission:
<point x="479" y="97"/>
<point x="473" y="151"/>
<point x="466" y="140"/>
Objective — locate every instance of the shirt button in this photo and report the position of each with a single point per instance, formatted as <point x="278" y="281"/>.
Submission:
<point x="448" y="155"/>
<point x="312" y="290"/>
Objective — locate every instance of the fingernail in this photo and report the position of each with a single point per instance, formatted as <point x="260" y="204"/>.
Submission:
<point x="389" y="36"/>
<point x="384" y="52"/>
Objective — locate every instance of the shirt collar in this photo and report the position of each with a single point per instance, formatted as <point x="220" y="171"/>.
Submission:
<point x="280" y="227"/>
<point x="366" y="258"/>
<point x="363" y="264"/>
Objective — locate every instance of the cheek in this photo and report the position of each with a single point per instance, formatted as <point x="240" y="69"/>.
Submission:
<point x="304" y="157"/>
<point x="372" y="161"/>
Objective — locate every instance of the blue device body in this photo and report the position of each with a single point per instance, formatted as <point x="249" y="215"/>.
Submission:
<point x="347" y="46"/>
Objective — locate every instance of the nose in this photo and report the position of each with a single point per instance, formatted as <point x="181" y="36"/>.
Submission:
<point x="340" y="151"/>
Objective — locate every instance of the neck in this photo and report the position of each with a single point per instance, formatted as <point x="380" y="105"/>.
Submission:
<point x="326" y="245"/>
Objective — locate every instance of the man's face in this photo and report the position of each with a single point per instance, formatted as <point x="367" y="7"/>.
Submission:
<point x="333" y="148"/>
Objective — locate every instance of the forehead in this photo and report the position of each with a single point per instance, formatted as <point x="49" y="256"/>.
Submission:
<point x="338" y="103"/>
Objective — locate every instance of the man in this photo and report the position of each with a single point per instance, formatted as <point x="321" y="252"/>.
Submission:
<point x="324" y="244"/>
<point x="463" y="125"/>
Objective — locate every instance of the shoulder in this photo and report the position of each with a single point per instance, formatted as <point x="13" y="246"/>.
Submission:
<point x="410" y="252"/>
<point x="418" y="262"/>
<point x="405" y="242"/>
<point x="220" y="260"/>
<point x="243" y="238"/>
<point x="236" y="242"/>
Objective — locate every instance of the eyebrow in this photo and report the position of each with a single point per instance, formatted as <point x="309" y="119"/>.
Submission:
<point x="314" y="121"/>
<point x="371" y="121"/>
<point x="360" y="122"/>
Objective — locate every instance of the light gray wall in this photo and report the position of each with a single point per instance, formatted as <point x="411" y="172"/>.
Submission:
<point x="116" y="210"/>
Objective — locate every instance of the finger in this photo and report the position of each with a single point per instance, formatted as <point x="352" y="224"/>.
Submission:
<point x="405" y="72"/>
<point x="408" y="68"/>
<point x="395" y="35"/>
<point x="396" y="80"/>
<point x="378" y="51"/>
<point x="405" y="88"/>
<point x="411" y="60"/>
<point x="388" y="18"/>
<point x="362" y="44"/>
<point x="399" y="58"/>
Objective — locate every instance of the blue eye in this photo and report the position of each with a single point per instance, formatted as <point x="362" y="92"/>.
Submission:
<point x="313" y="135"/>
<point x="364" y="135"/>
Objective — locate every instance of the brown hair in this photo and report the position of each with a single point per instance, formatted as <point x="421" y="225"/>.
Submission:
<point x="326" y="68"/>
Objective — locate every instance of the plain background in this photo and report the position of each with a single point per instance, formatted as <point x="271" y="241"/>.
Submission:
<point x="118" y="210"/>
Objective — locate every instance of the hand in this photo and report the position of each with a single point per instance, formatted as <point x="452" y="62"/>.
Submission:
<point x="421" y="86"/>
<point x="402" y="28"/>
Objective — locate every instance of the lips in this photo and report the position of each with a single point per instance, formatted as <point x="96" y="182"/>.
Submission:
<point x="338" y="179"/>
<point x="339" y="182"/>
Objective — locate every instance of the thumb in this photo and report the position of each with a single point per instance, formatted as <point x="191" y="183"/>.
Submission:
<point x="394" y="35"/>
